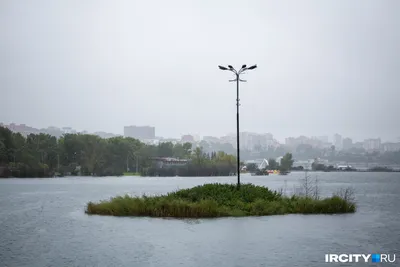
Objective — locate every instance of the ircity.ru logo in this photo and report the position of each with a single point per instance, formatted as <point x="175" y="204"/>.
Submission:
<point x="360" y="258"/>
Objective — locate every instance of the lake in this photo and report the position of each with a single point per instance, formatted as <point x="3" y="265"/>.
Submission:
<point x="42" y="223"/>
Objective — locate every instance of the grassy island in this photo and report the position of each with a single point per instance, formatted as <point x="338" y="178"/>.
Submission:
<point x="220" y="200"/>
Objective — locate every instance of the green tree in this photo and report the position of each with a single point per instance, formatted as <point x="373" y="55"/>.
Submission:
<point x="286" y="162"/>
<point x="182" y="150"/>
<point x="3" y="152"/>
<point x="187" y="148"/>
<point x="42" y="155"/>
<point x="166" y="149"/>
<point x="198" y="156"/>
<point x="273" y="164"/>
<point x="6" y="145"/>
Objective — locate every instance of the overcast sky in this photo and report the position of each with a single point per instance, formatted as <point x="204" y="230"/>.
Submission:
<point x="323" y="66"/>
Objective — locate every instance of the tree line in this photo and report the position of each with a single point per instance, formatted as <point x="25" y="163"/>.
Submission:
<point x="43" y="155"/>
<point x="202" y="164"/>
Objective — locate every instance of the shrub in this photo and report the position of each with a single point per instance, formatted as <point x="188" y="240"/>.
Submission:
<point x="219" y="200"/>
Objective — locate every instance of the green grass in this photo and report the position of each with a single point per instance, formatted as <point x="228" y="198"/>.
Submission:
<point x="219" y="200"/>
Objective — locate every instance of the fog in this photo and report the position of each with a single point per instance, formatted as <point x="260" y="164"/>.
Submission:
<point x="323" y="66"/>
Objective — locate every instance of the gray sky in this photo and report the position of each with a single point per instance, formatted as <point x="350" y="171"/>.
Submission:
<point x="324" y="66"/>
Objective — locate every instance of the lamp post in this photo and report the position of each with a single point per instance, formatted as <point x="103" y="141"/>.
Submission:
<point x="237" y="80"/>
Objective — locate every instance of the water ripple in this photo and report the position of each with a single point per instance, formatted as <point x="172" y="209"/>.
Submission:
<point x="42" y="223"/>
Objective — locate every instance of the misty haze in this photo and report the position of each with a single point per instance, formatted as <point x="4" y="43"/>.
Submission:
<point x="129" y="109"/>
<point x="323" y="67"/>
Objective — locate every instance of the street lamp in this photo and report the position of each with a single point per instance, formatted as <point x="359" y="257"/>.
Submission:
<point x="237" y="80"/>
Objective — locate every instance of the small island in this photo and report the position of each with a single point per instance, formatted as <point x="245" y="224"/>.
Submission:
<point x="220" y="200"/>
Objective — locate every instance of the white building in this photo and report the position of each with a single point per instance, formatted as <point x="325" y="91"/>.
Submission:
<point x="230" y="139"/>
<point x="390" y="147"/>
<point x="323" y="139"/>
<point x="250" y="140"/>
<point x="347" y="143"/>
<point x="338" y="142"/>
<point x="211" y="139"/>
<point x="372" y="144"/>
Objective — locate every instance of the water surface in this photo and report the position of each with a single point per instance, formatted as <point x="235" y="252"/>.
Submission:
<point x="42" y="223"/>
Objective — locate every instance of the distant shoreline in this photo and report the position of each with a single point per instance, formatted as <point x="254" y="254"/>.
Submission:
<point x="347" y="171"/>
<point x="94" y="177"/>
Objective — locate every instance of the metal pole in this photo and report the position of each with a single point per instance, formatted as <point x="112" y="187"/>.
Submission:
<point x="237" y="130"/>
<point x="237" y="73"/>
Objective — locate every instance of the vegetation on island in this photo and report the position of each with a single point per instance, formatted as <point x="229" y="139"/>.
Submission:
<point x="221" y="200"/>
<point x="43" y="155"/>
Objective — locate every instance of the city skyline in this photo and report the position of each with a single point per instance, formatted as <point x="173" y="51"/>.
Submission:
<point x="330" y="138"/>
<point x="393" y="137"/>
